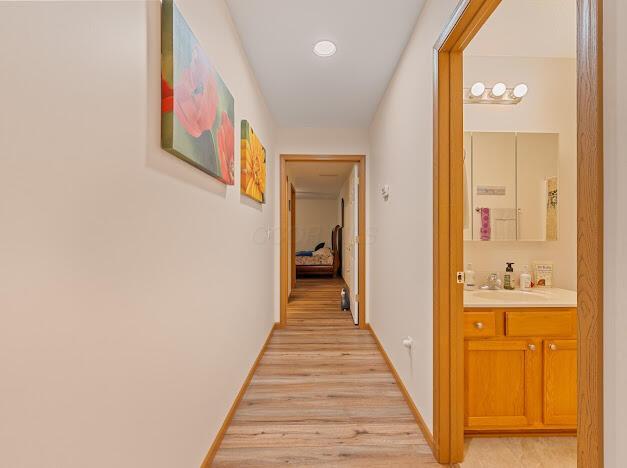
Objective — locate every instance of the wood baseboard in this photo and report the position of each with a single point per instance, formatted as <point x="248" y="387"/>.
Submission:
<point x="410" y="402"/>
<point x="229" y="416"/>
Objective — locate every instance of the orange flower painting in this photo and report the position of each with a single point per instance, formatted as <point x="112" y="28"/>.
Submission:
<point x="197" y="109"/>
<point x="253" y="156"/>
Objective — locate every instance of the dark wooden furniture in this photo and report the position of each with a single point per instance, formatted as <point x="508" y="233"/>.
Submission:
<point x="325" y="270"/>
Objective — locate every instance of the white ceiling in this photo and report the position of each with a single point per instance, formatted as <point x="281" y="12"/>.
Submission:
<point x="317" y="179"/>
<point x="304" y="90"/>
<point x="529" y="28"/>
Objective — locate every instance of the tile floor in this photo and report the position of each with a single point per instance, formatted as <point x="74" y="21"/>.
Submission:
<point x="521" y="452"/>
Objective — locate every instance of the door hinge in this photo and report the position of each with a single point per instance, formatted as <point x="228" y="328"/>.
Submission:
<point x="461" y="277"/>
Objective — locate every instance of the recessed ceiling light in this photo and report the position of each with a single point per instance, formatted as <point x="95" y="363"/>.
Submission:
<point x="324" y="49"/>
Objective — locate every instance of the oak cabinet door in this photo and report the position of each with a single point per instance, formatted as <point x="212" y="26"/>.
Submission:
<point x="560" y="382"/>
<point x="498" y="377"/>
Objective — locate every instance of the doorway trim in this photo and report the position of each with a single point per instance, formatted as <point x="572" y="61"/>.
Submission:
<point x="292" y="210"/>
<point x="466" y="21"/>
<point x="361" y="162"/>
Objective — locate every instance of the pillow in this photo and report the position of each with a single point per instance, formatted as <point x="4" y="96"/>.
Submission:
<point x="304" y="253"/>
<point x="323" y="252"/>
<point x="319" y="246"/>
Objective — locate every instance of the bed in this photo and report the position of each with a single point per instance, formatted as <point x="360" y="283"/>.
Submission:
<point x="327" y="264"/>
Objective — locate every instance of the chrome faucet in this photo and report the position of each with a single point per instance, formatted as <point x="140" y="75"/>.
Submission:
<point x="493" y="282"/>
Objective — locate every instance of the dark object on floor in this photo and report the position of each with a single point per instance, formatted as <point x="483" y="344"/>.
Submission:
<point x="346" y="305"/>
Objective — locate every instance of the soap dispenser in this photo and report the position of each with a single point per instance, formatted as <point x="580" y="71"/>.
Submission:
<point x="508" y="277"/>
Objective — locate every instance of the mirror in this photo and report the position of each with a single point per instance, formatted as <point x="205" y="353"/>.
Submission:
<point x="510" y="186"/>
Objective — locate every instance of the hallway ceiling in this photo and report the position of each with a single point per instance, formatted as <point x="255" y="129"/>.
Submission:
<point x="319" y="178"/>
<point x="508" y="32"/>
<point x="304" y="90"/>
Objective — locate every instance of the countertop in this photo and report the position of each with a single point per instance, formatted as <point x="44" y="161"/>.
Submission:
<point x="536" y="297"/>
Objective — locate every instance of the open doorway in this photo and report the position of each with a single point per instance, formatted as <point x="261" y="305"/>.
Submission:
<point x="552" y="375"/>
<point x="322" y="229"/>
<point x="520" y="236"/>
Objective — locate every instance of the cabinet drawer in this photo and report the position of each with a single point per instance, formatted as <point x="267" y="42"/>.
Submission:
<point x="480" y="324"/>
<point x="540" y="322"/>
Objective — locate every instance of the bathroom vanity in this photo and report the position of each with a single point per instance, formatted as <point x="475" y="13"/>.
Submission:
<point x="520" y="354"/>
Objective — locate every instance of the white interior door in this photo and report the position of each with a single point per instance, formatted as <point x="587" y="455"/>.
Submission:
<point x="355" y="247"/>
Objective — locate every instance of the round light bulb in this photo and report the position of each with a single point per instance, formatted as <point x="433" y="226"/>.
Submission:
<point x="520" y="91"/>
<point x="324" y="49"/>
<point x="477" y="90"/>
<point x="498" y="90"/>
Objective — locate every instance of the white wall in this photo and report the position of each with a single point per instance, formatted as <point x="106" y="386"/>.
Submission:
<point x="550" y="107"/>
<point x="122" y="266"/>
<point x="400" y="241"/>
<point x="322" y="141"/>
<point x="615" y="339"/>
<point x="315" y="220"/>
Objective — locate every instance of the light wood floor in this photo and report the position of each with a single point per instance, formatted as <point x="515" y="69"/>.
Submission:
<point x="323" y="396"/>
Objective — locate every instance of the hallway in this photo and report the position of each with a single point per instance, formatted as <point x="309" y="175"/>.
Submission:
<point x="322" y="396"/>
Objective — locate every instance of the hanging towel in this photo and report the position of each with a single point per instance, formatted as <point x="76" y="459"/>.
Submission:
<point x="504" y="223"/>
<point x="486" y="228"/>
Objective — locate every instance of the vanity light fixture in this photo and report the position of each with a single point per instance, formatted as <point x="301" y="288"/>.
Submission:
<point x="324" y="49"/>
<point x="498" y="94"/>
<point x="477" y="90"/>
<point x="498" y="90"/>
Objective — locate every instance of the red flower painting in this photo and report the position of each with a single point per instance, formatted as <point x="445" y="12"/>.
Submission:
<point x="196" y="106"/>
<point x="167" y="97"/>
<point x="196" y="98"/>
<point x="226" y="139"/>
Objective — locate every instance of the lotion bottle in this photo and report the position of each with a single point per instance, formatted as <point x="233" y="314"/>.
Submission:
<point x="525" y="279"/>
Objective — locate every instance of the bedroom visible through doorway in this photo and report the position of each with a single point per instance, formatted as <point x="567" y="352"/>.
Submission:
<point x="322" y="219"/>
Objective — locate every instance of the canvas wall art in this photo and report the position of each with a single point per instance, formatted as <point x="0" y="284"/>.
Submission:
<point x="197" y="109"/>
<point x="253" y="159"/>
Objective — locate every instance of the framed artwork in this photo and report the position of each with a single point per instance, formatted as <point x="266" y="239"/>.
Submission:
<point x="253" y="156"/>
<point x="197" y="109"/>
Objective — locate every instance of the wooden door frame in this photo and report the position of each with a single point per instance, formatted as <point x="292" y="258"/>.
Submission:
<point x="292" y="209"/>
<point x="360" y="160"/>
<point x="466" y="21"/>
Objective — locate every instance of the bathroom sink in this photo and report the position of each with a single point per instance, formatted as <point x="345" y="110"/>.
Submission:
<point x="501" y="294"/>
<point x="550" y="297"/>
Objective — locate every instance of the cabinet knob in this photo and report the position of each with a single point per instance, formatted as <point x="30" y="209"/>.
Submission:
<point x="479" y="325"/>
<point x="532" y="347"/>
<point x="553" y="347"/>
